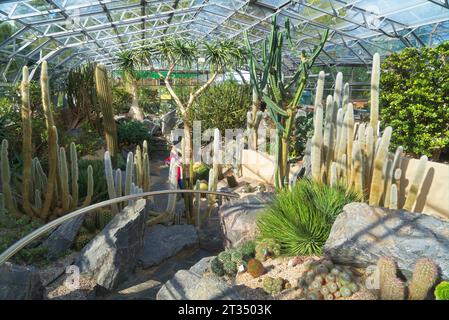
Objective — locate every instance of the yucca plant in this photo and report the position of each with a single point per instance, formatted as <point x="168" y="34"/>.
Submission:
<point x="128" y="62"/>
<point x="301" y="219"/>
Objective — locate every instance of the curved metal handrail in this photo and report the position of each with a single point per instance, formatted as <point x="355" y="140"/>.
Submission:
<point x="12" y="250"/>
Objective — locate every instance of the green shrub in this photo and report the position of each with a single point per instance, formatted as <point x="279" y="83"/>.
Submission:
<point x="121" y="100"/>
<point x="87" y="143"/>
<point x="300" y="220"/>
<point x="223" y="106"/>
<point x="132" y="133"/>
<point x="148" y="100"/>
<point x="414" y="99"/>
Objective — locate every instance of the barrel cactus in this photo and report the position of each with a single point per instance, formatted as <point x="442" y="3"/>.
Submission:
<point x="255" y="268"/>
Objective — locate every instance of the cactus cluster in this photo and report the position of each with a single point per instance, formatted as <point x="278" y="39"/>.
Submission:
<point x="267" y="248"/>
<point x="356" y="155"/>
<point x="229" y="262"/>
<point x="322" y="280"/>
<point x="98" y="219"/>
<point x="82" y="240"/>
<point x="391" y="287"/>
<point x="248" y="249"/>
<point x="274" y="286"/>
<point x="44" y="195"/>
<point x="270" y="85"/>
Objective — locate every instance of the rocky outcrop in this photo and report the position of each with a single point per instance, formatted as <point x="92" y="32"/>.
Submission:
<point x="361" y="234"/>
<point x="20" y="283"/>
<point x="112" y="255"/>
<point x="162" y="242"/>
<point x="197" y="284"/>
<point x="238" y="217"/>
<point x="63" y="237"/>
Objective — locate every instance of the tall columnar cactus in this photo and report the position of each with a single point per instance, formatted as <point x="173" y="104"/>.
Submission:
<point x="74" y="175"/>
<point x="319" y="89"/>
<point x="345" y="100"/>
<point x="6" y="178"/>
<point x="64" y="178"/>
<point x="425" y="276"/>
<point x="379" y="161"/>
<point x="27" y="148"/>
<point x="338" y="90"/>
<point x="52" y="143"/>
<point x="104" y="95"/>
<point x="272" y="87"/>
<point x="317" y="143"/>
<point x="416" y="183"/>
<point x="90" y="186"/>
<point x="374" y="106"/>
<point x="110" y="179"/>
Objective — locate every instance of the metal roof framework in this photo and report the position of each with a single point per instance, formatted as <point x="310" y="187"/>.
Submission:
<point x="67" y="33"/>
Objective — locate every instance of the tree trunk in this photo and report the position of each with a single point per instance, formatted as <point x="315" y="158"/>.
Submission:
<point x="135" y="112"/>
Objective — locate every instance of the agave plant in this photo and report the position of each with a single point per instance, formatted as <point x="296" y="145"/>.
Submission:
<point x="301" y="219"/>
<point x="270" y="85"/>
<point x="128" y="62"/>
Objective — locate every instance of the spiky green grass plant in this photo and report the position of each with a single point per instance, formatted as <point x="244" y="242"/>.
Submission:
<point x="301" y="219"/>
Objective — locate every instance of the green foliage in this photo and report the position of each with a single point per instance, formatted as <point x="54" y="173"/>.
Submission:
<point x="230" y="268"/>
<point x="87" y="143"/>
<point x="148" y="100"/>
<point x="131" y="133"/>
<point x="12" y="230"/>
<point x="302" y="132"/>
<point x="442" y="291"/>
<point x="301" y="219"/>
<point x="223" y="106"/>
<point x="201" y="171"/>
<point x="217" y="267"/>
<point x="414" y="99"/>
<point x="121" y="99"/>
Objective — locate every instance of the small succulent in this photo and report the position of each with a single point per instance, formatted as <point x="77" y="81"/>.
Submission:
<point x="255" y="268"/>
<point x="82" y="240"/>
<point x="442" y="291"/>
<point x="217" y="267"/>
<point x="224" y="256"/>
<point x="248" y="249"/>
<point x="90" y="221"/>
<point x="273" y="285"/>
<point x="345" y="292"/>
<point x="267" y="248"/>
<point x="236" y="257"/>
<point x="230" y="268"/>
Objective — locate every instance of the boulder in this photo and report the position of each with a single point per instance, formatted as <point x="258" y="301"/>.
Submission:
<point x="169" y="121"/>
<point x="63" y="237"/>
<point x="362" y="234"/>
<point x="195" y="284"/>
<point x="112" y="255"/>
<point x="20" y="283"/>
<point x="238" y="217"/>
<point x="162" y="242"/>
<point x="153" y="127"/>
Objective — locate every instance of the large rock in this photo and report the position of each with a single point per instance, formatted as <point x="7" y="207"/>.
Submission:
<point x="20" y="283"/>
<point x="63" y="237"/>
<point x="162" y="242"/>
<point x="194" y="284"/>
<point x="238" y="217"/>
<point x="361" y="234"/>
<point x="168" y="121"/>
<point x="113" y="254"/>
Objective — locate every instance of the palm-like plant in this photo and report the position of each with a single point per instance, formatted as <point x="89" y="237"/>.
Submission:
<point x="128" y="62"/>
<point x="172" y="53"/>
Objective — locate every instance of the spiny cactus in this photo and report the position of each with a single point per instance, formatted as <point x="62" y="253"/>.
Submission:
<point x="416" y="183"/>
<point x="273" y="286"/>
<point x="6" y="177"/>
<point x="217" y="267"/>
<point x="104" y="216"/>
<point x="230" y="268"/>
<point x="391" y="287"/>
<point x="374" y="106"/>
<point x="82" y="240"/>
<point x="379" y="160"/>
<point x="104" y="95"/>
<point x="90" y="221"/>
<point x="267" y="248"/>
<point x="110" y="180"/>
<point x="255" y="268"/>
<point x="425" y="276"/>
<point x="316" y="144"/>
<point x="248" y="249"/>
<point x="27" y="148"/>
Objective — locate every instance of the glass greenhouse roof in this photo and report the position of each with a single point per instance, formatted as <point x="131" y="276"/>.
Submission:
<point x="68" y="32"/>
